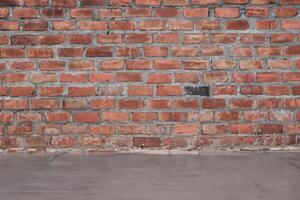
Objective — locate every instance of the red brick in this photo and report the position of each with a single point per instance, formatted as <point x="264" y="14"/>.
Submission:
<point x="57" y="117"/>
<point x="112" y="65"/>
<point x="39" y="104"/>
<point x="212" y="51"/>
<point x="74" y="104"/>
<point x="153" y="51"/>
<point x="158" y="104"/>
<point x="159" y="78"/>
<point x="131" y="129"/>
<point x="99" y="52"/>
<point x="144" y="116"/>
<point x="123" y="25"/>
<point x="86" y="117"/>
<point x="252" y="38"/>
<point x="51" y="65"/>
<point x="224" y="90"/>
<point x="285" y="12"/>
<point x="237" y="25"/>
<point x="166" y="64"/>
<point x="205" y="2"/>
<point x="33" y="3"/>
<point x="109" y="38"/>
<point x="257" y="12"/>
<point x="146" y="142"/>
<point x="223" y="64"/>
<point x="196" y="38"/>
<point x="185" y="129"/>
<point x="213" y="103"/>
<point x="241" y="128"/>
<point x="277" y="90"/>
<point x="81" y="13"/>
<point x="152" y="25"/>
<point x="166" y="12"/>
<point x="292" y="51"/>
<point x="129" y="77"/>
<point x="109" y="13"/>
<point x="223" y="38"/>
<point x="22" y="91"/>
<point x="93" y="25"/>
<point x="251" y="64"/>
<point x="6" y="117"/>
<point x="92" y="2"/>
<point x="4" y="39"/>
<point x="183" y="103"/>
<point x="70" y="52"/>
<point x="172" y="116"/>
<point x="9" y="25"/>
<point x="180" y="25"/>
<point x="296" y="90"/>
<point x="13" y="78"/>
<point x="282" y="38"/>
<point x="140" y="90"/>
<point x="67" y="4"/>
<point x="18" y="104"/>
<point x="241" y="103"/>
<point x="236" y="1"/>
<point x="139" y="64"/>
<point x="29" y="117"/>
<point x="40" y="53"/>
<point x="51" y="91"/>
<point x="270" y="128"/>
<point x="208" y="25"/>
<point x="184" y="51"/>
<point x="20" y="129"/>
<point x="195" y="64"/>
<point x="51" y="39"/>
<point x="102" y="103"/>
<point x="64" y="25"/>
<point x="63" y="141"/>
<point x="138" y="12"/>
<point x="269" y="103"/>
<point x="80" y="65"/>
<point x="201" y="116"/>
<point x="252" y="90"/>
<point x="169" y="90"/>
<point x="138" y="38"/>
<point x="227" y="12"/>
<point x="242" y="51"/>
<point x="266" y="24"/>
<point x="4" y="12"/>
<point x="81" y="91"/>
<point x="268" y="51"/>
<point x="35" y="25"/>
<point x="43" y="78"/>
<point x="214" y="129"/>
<point x="227" y="116"/>
<point x="115" y="116"/>
<point x="102" y="130"/>
<point x="148" y="2"/>
<point x="12" y="52"/>
<point x="52" y="12"/>
<point x="24" y="13"/>
<point x="167" y="38"/>
<point x="187" y="77"/>
<point x="130" y="104"/>
<point x="290" y="24"/>
<point x="79" y="38"/>
<point x="195" y="12"/>
<point x="213" y="77"/>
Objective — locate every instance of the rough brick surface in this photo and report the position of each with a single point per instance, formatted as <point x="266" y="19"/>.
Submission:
<point x="149" y="73"/>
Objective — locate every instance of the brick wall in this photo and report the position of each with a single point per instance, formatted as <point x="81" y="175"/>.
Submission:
<point x="149" y="73"/>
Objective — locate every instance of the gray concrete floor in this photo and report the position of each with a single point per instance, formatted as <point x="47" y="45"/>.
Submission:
<point x="243" y="176"/>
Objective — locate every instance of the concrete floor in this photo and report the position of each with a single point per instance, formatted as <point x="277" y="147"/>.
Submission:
<point x="242" y="176"/>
